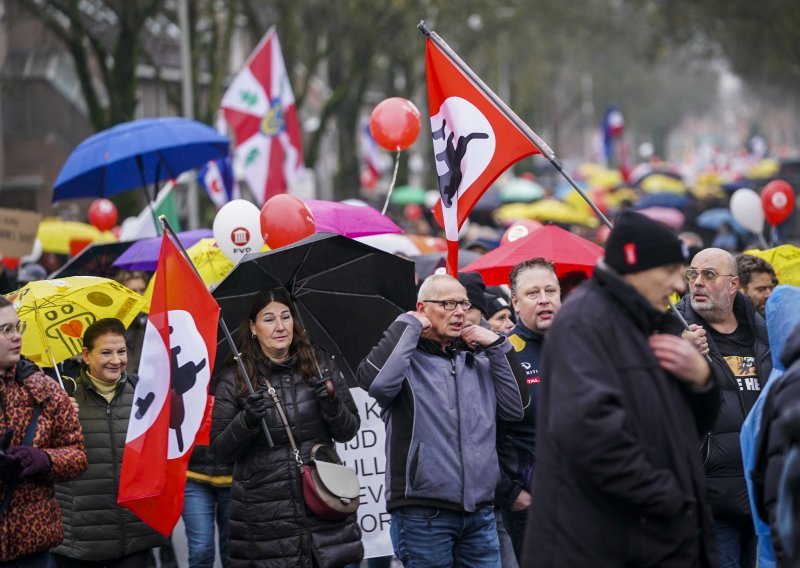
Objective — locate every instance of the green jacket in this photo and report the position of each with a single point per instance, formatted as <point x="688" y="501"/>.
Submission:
<point x="95" y="527"/>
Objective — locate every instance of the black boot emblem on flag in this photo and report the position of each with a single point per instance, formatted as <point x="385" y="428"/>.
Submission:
<point x="183" y="379"/>
<point x="452" y="156"/>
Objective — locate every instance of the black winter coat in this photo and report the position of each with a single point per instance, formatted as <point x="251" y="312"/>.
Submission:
<point x="777" y="430"/>
<point x="95" y="527"/>
<point x="722" y="448"/>
<point x="619" y="481"/>
<point x="270" y="525"/>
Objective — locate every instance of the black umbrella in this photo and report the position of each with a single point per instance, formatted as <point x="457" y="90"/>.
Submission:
<point x="97" y="259"/>
<point x="347" y="293"/>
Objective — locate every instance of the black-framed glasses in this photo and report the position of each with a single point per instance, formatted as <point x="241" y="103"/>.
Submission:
<point x="450" y="305"/>
<point x="690" y="274"/>
<point x="8" y="329"/>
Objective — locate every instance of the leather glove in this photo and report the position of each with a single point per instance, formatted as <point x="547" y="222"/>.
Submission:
<point x="328" y="403"/>
<point x="256" y="406"/>
<point x="34" y="461"/>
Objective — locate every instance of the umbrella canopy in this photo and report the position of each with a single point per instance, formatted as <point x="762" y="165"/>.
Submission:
<point x="59" y="311"/>
<point x="521" y="189"/>
<point x="210" y="262"/>
<point x="405" y="244"/>
<point x="346" y="293"/>
<point x="785" y="259"/>
<point x="662" y="200"/>
<point x="667" y="215"/>
<point x="406" y="194"/>
<point x="95" y="260"/>
<point x="350" y="220"/>
<point x="558" y="212"/>
<point x="143" y="254"/>
<point x="137" y="153"/>
<point x="566" y="250"/>
<point x="57" y="234"/>
<point x="714" y="218"/>
<point x="657" y="182"/>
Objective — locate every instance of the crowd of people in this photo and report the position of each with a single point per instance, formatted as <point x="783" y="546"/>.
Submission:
<point x="536" y="424"/>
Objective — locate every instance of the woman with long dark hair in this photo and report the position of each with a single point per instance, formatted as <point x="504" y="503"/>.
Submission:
<point x="270" y="524"/>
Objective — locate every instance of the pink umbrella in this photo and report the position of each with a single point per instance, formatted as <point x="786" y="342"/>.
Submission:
<point x="667" y="215"/>
<point x="350" y="220"/>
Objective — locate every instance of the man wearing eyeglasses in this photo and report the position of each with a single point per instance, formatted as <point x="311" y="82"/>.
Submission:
<point x="40" y="442"/>
<point x="725" y="325"/>
<point x="442" y="383"/>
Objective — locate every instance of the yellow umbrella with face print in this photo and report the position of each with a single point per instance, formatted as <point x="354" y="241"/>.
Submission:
<point x="58" y="312"/>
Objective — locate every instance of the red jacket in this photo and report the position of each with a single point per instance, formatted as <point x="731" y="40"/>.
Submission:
<point x="32" y="521"/>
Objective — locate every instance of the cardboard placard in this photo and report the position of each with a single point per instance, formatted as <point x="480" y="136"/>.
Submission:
<point x="17" y="232"/>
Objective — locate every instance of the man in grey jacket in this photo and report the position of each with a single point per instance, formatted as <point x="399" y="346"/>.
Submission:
<point x="441" y="384"/>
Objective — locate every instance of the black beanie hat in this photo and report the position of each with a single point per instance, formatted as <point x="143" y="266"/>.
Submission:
<point x="496" y="303"/>
<point x="475" y="286"/>
<point x="638" y="243"/>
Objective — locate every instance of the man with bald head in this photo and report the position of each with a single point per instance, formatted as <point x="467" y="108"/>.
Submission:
<point x="442" y="383"/>
<point x="724" y="325"/>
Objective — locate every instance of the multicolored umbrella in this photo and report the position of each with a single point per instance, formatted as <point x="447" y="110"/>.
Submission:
<point x="58" y="312"/>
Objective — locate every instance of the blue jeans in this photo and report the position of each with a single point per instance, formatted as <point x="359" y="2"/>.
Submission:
<point x="736" y="544"/>
<point x="203" y="503"/>
<point x="437" y="538"/>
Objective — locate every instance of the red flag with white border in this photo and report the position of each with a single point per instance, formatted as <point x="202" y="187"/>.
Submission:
<point x="170" y="400"/>
<point x="473" y="143"/>
<point x="259" y="109"/>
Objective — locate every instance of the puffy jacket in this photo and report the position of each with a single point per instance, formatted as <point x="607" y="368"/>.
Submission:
<point x="269" y="524"/>
<point x="95" y="527"/>
<point x="440" y="409"/>
<point x="721" y="449"/>
<point x="32" y="521"/>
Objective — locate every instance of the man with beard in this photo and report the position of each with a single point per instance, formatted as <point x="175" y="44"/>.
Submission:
<point x="536" y="298"/>
<point x="757" y="279"/>
<point x="725" y="326"/>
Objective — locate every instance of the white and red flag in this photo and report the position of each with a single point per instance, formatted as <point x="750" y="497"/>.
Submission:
<point x="260" y="113"/>
<point x="171" y="397"/>
<point x="474" y="141"/>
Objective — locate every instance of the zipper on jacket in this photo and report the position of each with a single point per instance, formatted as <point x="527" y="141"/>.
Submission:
<point x="458" y="423"/>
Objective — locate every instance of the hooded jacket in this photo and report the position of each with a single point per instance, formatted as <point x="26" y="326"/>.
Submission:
<point x="721" y="449"/>
<point x="440" y="409"/>
<point x="32" y="521"/>
<point x="779" y="401"/>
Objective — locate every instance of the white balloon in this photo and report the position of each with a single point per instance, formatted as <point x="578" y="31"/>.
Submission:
<point x="237" y="229"/>
<point x="747" y="210"/>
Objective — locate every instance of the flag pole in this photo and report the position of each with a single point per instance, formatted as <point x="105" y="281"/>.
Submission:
<point x="168" y="230"/>
<point x="542" y="146"/>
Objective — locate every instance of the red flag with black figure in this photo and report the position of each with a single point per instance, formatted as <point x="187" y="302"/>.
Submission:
<point x="171" y="398"/>
<point x="474" y="141"/>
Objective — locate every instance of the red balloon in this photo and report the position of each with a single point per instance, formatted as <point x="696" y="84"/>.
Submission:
<point x="413" y="211"/>
<point x="778" y="201"/>
<point x="103" y="214"/>
<point x="519" y="230"/>
<point x="285" y="220"/>
<point x="394" y="123"/>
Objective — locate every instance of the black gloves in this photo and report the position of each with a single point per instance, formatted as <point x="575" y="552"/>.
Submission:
<point x="326" y="396"/>
<point x="256" y="406"/>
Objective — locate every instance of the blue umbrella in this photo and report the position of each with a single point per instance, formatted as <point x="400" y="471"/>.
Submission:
<point x="137" y="153"/>
<point x="662" y="200"/>
<point x="714" y="218"/>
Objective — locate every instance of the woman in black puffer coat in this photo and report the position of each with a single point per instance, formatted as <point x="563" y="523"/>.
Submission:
<point x="270" y="525"/>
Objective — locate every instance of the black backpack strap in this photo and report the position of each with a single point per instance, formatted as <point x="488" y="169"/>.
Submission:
<point x="27" y="441"/>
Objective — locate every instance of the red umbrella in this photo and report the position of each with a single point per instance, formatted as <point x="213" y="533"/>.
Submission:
<point x="566" y="250"/>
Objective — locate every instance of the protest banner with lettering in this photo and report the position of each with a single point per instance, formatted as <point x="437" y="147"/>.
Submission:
<point x="17" y="232"/>
<point x="366" y="454"/>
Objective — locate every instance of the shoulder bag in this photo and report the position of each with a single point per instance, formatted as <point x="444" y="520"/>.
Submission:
<point x="330" y="489"/>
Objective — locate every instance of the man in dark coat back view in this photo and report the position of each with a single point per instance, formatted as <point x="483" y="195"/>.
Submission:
<point x="619" y="479"/>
